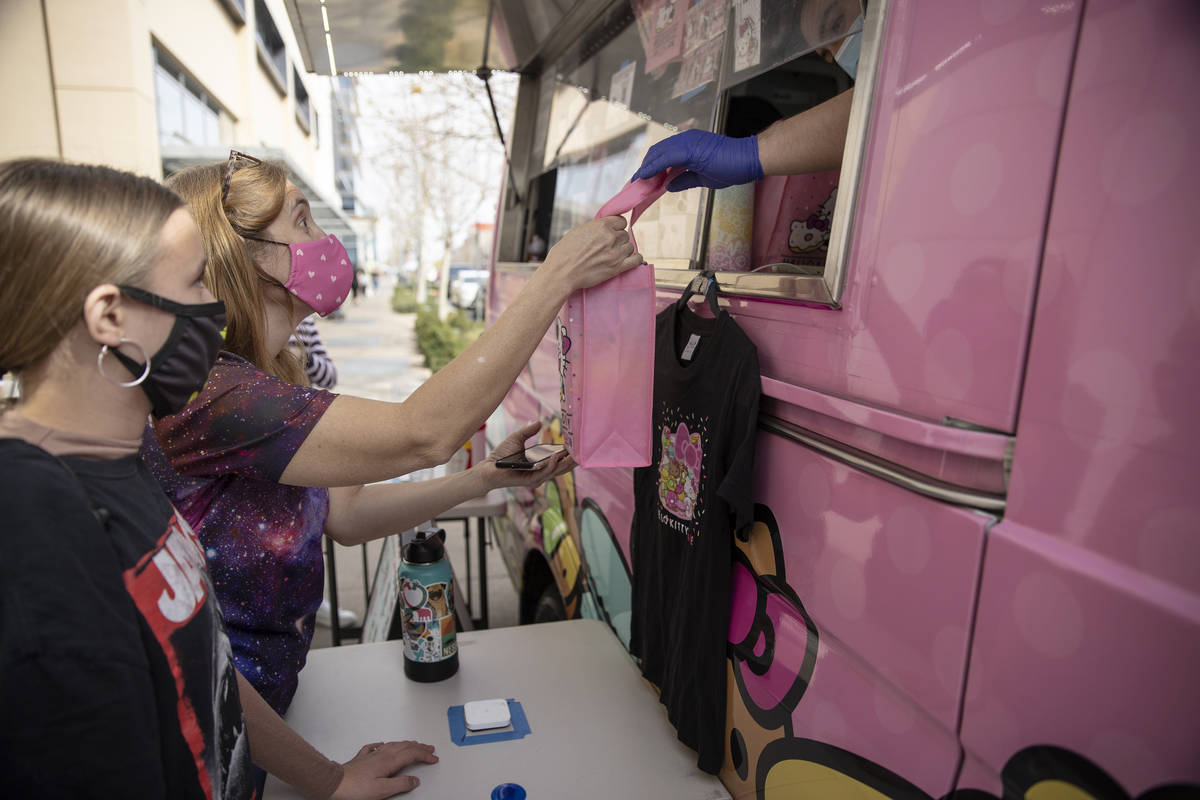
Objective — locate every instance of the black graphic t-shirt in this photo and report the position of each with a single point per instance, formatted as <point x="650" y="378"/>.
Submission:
<point x="116" y="677"/>
<point x="688" y="503"/>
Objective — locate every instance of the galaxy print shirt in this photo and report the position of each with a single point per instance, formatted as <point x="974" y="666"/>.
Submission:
<point x="219" y="461"/>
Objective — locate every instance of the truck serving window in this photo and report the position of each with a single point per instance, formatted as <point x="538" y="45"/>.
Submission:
<point x="785" y="236"/>
<point x="647" y="69"/>
<point x="633" y="78"/>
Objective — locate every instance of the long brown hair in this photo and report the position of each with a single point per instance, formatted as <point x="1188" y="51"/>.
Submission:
<point x="64" y="230"/>
<point x="255" y="198"/>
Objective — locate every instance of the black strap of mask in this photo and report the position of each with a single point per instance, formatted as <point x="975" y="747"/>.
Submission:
<point x="272" y="280"/>
<point x="157" y="399"/>
<point x="170" y="306"/>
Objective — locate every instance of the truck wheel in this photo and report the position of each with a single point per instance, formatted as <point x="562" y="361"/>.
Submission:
<point x="549" y="606"/>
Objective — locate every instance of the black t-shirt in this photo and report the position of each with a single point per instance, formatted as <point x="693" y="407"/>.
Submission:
<point x="116" y="677"/>
<point x="687" y="505"/>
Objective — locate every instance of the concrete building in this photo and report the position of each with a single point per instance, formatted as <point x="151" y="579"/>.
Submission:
<point x="155" y="85"/>
<point x="347" y="147"/>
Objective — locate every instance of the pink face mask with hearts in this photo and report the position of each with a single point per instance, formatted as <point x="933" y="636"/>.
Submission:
<point x="321" y="272"/>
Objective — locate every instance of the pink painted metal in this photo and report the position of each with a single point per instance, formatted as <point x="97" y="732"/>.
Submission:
<point x="888" y="578"/>
<point x="979" y="444"/>
<point x="947" y="238"/>
<point x="1091" y="587"/>
<point x="1023" y="258"/>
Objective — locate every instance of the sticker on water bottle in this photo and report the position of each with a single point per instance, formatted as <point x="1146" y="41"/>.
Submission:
<point x="428" y="620"/>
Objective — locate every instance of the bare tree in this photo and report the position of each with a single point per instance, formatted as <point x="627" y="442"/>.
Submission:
<point x="433" y="136"/>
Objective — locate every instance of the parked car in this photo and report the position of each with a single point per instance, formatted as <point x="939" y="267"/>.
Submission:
<point x="468" y="288"/>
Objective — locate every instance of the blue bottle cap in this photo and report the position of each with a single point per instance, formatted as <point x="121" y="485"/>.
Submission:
<point x="508" y="791"/>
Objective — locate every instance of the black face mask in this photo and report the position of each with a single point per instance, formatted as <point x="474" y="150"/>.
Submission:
<point x="180" y="368"/>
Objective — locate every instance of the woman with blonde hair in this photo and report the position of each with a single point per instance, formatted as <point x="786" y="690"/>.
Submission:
<point x="242" y="460"/>
<point x="116" y="678"/>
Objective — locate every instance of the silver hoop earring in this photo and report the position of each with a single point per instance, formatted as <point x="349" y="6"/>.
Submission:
<point x="127" y="384"/>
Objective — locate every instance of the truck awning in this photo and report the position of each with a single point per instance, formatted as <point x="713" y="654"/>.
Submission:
<point x="347" y="37"/>
<point x="387" y="36"/>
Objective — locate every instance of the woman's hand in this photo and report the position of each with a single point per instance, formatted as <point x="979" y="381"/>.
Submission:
<point x="372" y="774"/>
<point x="496" y="478"/>
<point x="592" y="253"/>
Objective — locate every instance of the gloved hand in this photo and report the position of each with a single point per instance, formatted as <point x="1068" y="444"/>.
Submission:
<point x="712" y="160"/>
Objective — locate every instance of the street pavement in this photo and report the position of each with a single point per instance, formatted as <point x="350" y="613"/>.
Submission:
<point x="376" y="356"/>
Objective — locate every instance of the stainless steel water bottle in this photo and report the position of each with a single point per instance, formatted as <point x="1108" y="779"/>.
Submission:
<point x="427" y="598"/>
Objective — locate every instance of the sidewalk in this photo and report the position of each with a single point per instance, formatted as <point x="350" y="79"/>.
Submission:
<point x="375" y="352"/>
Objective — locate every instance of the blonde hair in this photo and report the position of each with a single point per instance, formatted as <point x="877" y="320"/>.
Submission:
<point x="64" y="230"/>
<point x="255" y="198"/>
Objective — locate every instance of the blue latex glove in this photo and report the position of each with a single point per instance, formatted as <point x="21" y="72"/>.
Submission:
<point x="712" y="160"/>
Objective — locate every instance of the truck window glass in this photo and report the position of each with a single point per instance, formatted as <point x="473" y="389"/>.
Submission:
<point x="637" y="77"/>
<point x="647" y="69"/>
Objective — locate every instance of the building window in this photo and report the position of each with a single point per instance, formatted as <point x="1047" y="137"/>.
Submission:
<point x="303" y="107"/>
<point x="236" y="10"/>
<point x="187" y="115"/>
<point x="271" y="53"/>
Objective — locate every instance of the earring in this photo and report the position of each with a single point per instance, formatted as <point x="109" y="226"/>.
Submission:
<point x="127" y="384"/>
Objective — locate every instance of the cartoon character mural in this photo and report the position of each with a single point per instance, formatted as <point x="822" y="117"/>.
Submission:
<point x="772" y="655"/>
<point x="773" y="645"/>
<point x="598" y="587"/>
<point x="558" y="528"/>
<point x="610" y="584"/>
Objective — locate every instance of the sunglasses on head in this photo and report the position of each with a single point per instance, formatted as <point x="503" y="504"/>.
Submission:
<point x="237" y="160"/>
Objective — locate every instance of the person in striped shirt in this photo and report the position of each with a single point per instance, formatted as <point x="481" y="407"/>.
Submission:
<point x="321" y="371"/>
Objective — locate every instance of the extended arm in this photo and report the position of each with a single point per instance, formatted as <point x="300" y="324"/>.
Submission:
<point x="360" y="513"/>
<point x="811" y="141"/>
<point x="361" y="441"/>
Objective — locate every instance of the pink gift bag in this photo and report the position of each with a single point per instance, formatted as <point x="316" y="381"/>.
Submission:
<point x="606" y="353"/>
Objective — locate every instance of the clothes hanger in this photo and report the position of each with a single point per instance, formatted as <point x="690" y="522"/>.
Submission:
<point x="704" y="283"/>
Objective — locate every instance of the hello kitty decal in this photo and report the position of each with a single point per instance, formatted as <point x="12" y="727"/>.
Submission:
<point x="812" y="233"/>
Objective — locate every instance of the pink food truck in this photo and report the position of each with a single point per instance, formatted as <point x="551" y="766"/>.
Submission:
<point x="974" y="570"/>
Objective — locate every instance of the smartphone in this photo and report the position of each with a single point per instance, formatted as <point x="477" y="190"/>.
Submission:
<point x="530" y="458"/>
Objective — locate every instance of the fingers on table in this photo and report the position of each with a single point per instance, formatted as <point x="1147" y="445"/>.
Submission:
<point x="401" y="784"/>
<point x="409" y="753"/>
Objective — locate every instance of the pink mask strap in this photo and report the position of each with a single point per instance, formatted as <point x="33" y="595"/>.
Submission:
<point x="637" y="196"/>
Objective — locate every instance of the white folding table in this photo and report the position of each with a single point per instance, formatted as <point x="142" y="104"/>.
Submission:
<point x="597" y="729"/>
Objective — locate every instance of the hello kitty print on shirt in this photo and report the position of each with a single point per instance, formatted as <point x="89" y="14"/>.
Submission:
<point x="680" y="475"/>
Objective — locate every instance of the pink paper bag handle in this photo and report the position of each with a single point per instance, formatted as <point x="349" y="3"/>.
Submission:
<point x="637" y="196"/>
